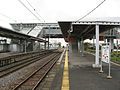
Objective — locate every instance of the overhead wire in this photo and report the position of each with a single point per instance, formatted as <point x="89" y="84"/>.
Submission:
<point x="29" y="10"/>
<point x="34" y="10"/>
<point x="36" y="13"/>
<point x="91" y="10"/>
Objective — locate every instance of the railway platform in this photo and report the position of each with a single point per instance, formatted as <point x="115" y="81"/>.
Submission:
<point x="72" y="71"/>
<point x="82" y="76"/>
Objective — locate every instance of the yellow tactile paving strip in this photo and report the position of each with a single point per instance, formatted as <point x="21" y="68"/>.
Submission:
<point x="65" y="80"/>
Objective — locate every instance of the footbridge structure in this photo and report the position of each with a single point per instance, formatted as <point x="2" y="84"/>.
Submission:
<point x="40" y="30"/>
<point x="43" y="30"/>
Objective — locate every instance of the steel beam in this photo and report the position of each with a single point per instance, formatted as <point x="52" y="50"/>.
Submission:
<point x="97" y="48"/>
<point x="25" y="46"/>
<point x="96" y="22"/>
<point x="82" y="46"/>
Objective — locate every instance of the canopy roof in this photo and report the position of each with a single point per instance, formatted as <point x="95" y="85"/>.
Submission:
<point x="85" y="29"/>
<point x="5" y="32"/>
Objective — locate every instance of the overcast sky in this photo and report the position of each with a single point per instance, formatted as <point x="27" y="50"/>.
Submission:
<point x="57" y="10"/>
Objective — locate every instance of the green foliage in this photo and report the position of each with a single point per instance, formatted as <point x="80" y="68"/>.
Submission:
<point x="115" y="56"/>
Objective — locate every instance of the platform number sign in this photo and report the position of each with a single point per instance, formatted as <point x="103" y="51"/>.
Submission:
<point x="106" y="53"/>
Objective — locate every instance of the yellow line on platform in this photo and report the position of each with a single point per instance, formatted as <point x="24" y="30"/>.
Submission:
<point x="65" y="80"/>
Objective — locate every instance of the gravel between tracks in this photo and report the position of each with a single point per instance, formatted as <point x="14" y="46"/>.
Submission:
<point x="7" y="82"/>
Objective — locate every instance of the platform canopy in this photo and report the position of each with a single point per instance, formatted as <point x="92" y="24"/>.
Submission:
<point x="8" y="33"/>
<point x="85" y="29"/>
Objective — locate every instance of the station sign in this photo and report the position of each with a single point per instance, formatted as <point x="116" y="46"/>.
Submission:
<point x="105" y="53"/>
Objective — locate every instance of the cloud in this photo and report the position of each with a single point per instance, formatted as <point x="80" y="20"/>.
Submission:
<point x="54" y="10"/>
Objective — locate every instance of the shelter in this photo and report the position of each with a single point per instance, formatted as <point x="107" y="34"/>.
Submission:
<point x="78" y="31"/>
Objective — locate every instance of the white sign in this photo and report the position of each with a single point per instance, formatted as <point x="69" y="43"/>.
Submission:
<point x="105" y="54"/>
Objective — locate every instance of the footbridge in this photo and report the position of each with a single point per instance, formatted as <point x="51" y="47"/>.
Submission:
<point x="39" y="30"/>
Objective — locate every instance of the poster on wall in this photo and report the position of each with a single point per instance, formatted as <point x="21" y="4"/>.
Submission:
<point x="105" y="53"/>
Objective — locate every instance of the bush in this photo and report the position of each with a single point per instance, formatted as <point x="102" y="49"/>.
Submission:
<point x="115" y="56"/>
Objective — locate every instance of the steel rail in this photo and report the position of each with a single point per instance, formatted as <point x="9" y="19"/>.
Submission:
<point x="19" y="66"/>
<point x="25" y="80"/>
<point x="41" y="79"/>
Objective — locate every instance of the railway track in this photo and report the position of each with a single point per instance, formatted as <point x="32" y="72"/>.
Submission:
<point x="20" y="64"/>
<point x="5" y="61"/>
<point x="32" y="81"/>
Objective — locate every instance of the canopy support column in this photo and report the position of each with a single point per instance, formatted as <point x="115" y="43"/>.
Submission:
<point x="79" y="47"/>
<point x="97" y="47"/>
<point x="25" y="46"/>
<point x="82" y="46"/>
<point x="39" y="45"/>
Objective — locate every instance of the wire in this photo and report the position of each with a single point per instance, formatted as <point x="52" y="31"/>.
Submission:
<point x="40" y="16"/>
<point x="36" y="13"/>
<point x="30" y="5"/>
<point x="34" y="10"/>
<point x="8" y="17"/>
<point x="29" y="10"/>
<point x="91" y="10"/>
